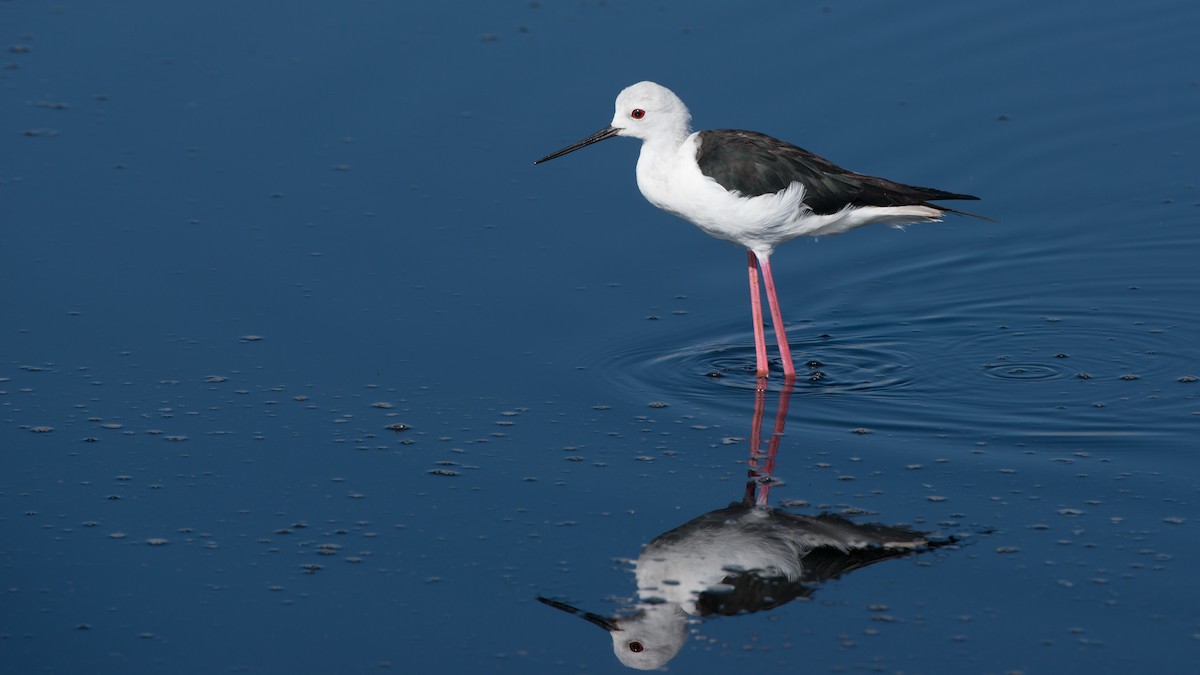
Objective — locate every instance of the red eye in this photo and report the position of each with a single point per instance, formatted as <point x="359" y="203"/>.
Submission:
<point x="637" y="113"/>
<point x="636" y="647"/>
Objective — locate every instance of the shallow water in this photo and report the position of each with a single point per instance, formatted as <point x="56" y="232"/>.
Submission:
<point x="306" y="367"/>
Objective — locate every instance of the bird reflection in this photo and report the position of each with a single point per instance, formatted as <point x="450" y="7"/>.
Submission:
<point x="744" y="558"/>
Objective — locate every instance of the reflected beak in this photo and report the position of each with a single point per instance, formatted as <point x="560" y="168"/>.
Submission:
<point x="602" y="621"/>
<point x="606" y="132"/>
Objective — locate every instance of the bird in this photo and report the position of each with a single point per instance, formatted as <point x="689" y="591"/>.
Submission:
<point x="746" y="557"/>
<point x="754" y="190"/>
<point x="740" y="559"/>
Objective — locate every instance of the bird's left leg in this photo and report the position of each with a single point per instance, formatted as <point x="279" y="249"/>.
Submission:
<point x="785" y="352"/>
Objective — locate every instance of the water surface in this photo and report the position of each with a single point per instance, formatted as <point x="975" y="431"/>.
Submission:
<point x="306" y="367"/>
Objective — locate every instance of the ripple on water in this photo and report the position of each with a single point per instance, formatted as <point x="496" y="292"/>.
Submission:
<point x="1023" y="371"/>
<point x="997" y="355"/>
<point x="848" y="360"/>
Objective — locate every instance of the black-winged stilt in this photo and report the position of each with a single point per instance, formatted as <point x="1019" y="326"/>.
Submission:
<point x="753" y="190"/>
<point x="745" y="558"/>
<point x="738" y="560"/>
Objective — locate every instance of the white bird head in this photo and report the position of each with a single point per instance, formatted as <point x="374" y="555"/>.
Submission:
<point x="645" y="640"/>
<point x="650" y="638"/>
<point x="645" y="110"/>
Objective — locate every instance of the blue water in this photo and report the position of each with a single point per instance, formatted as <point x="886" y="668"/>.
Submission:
<point x="240" y="244"/>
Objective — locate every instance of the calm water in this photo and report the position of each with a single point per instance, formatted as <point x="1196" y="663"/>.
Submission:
<point x="305" y="367"/>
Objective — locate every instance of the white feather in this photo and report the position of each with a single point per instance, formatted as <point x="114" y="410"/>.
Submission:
<point x="670" y="178"/>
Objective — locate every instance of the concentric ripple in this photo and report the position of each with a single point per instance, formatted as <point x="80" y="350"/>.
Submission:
<point x="1007" y="370"/>
<point x="841" y="362"/>
<point x="1093" y="355"/>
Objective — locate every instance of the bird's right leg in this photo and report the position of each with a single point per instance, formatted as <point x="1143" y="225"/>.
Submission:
<point x="760" y="341"/>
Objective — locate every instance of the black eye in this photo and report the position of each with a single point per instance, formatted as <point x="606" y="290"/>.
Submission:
<point x="636" y="647"/>
<point x="637" y="114"/>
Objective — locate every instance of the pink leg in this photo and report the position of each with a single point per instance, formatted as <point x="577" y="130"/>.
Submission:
<point x="760" y="341"/>
<point x="762" y="467"/>
<point x="753" y="486"/>
<point x="760" y="406"/>
<point x="785" y="395"/>
<point x="785" y="351"/>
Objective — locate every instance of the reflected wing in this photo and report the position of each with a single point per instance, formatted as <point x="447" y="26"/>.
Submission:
<point x="748" y="592"/>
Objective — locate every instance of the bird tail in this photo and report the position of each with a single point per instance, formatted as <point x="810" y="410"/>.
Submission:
<point x="947" y="209"/>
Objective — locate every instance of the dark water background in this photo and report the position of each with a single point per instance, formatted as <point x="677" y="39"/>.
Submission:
<point x="240" y="241"/>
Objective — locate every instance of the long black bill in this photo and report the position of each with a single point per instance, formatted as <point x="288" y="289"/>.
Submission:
<point x="606" y="132"/>
<point x="602" y="621"/>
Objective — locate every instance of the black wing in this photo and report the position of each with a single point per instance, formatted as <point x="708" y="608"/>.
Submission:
<point x="756" y="164"/>
<point x="750" y="592"/>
